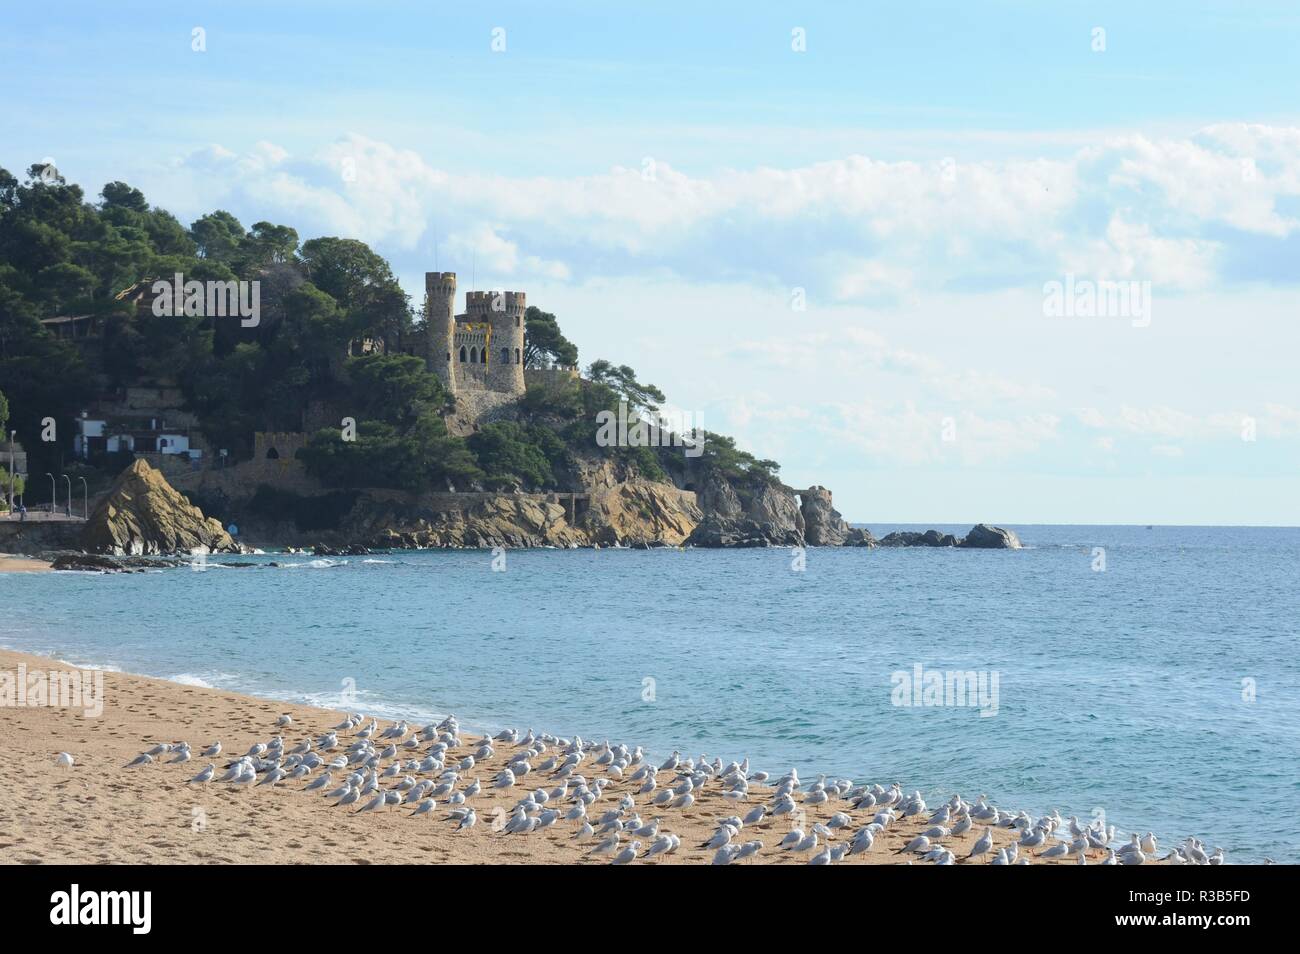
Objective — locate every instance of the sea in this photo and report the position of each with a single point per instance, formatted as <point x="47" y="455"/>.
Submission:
<point x="1148" y="676"/>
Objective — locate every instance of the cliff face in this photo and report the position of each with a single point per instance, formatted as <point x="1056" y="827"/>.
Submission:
<point x="759" y="515"/>
<point x="824" y="526"/>
<point x="641" y="512"/>
<point x="611" y="506"/>
<point x="143" y="514"/>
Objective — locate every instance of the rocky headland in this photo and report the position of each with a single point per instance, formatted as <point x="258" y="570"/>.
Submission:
<point x="143" y="519"/>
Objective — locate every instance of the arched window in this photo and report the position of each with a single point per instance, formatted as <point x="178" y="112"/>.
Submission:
<point x="518" y="357"/>
<point x="516" y="321"/>
<point x="482" y="356"/>
<point x="272" y="454"/>
<point x="462" y="354"/>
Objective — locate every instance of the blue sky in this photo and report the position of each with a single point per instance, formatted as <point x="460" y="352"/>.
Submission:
<point x="670" y="179"/>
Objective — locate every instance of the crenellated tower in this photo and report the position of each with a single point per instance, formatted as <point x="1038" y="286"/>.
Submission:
<point x="440" y="321"/>
<point x="506" y="358"/>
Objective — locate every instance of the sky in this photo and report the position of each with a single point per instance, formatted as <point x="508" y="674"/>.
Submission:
<point x="1010" y="262"/>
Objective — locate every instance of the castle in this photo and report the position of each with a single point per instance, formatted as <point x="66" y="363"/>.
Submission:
<point x="481" y="350"/>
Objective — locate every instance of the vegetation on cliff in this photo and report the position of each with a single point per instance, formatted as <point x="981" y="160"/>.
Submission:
<point x="61" y="254"/>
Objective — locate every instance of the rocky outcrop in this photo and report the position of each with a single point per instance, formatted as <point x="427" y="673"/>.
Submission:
<point x="738" y="532"/>
<point x="859" y="537"/>
<point x="775" y="508"/>
<point x="912" y="538"/>
<point x="981" y="537"/>
<point x="98" y="563"/>
<point x="502" y="520"/>
<point x="824" y="526"/>
<point x="770" y="518"/>
<point x="641" y="512"/>
<point x="984" y="537"/>
<point x="143" y="514"/>
<point x="717" y="498"/>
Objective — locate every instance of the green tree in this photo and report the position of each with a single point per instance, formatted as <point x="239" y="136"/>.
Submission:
<point x="623" y="380"/>
<point x="217" y="236"/>
<point x="544" y="342"/>
<point x="393" y="388"/>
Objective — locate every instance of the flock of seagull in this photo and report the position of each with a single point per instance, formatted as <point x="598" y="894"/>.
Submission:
<point x="378" y="770"/>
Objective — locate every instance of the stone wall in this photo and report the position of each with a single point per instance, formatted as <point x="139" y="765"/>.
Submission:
<point x="32" y="536"/>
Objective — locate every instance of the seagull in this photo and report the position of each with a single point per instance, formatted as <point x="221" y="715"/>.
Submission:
<point x="982" y="846"/>
<point x="204" y="776"/>
<point x="212" y="751"/>
<point x="65" y="760"/>
<point x="144" y="758"/>
<point x="627" y="855"/>
<point x="918" y="844"/>
<point x="376" y="803"/>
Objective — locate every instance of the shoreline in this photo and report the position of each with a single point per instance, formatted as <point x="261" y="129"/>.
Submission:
<point x="20" y="563"/>
<point x="100" y="811"/>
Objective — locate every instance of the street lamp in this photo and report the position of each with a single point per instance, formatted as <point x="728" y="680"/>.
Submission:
<point x="85" y="499"/>
<point x="68" y="509"/>
<point x="54" y="494"/>
<point x="12" y="436"/>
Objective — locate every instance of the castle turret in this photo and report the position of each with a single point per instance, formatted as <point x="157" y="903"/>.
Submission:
<point x="440" y="323"/>
<point x="506" y="354"/>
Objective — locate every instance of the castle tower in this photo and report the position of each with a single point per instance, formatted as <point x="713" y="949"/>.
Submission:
<point x="440" y="319"/>
<point x="506" y="353"/>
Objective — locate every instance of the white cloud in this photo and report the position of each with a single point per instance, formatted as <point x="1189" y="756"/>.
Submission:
<point x="854" y="229"/>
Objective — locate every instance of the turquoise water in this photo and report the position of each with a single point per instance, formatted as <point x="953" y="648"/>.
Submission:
<point x="1119" y="690"/>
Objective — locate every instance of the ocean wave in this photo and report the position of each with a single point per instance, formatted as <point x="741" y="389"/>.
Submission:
<point x="189" y="679"/>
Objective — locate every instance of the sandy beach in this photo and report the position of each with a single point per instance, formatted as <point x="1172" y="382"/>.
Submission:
<point x="13" y="563"/>
<point x="100" y="811"/>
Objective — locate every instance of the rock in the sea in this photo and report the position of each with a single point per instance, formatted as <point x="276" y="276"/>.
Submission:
<point x="984" y="537"/>
<point x="859" y="537"/>
<point x="98" y="563"/>
<point x="143" y="514"/>
<point x="740" y="532"/>
<point x="824" y="526"/>
<point x="912" y="538"/>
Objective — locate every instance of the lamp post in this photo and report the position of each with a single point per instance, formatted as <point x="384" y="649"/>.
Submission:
<point x="85" y="499"/>
<point x="12" y="435"/>
<point x="54" y="494"/>
<point x="68" y="508"/>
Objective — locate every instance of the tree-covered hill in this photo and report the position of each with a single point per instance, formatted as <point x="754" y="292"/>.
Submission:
<point x="64" y="254"/>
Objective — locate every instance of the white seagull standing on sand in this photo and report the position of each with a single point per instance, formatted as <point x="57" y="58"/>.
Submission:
<point x="983" y="846"/>
<point x="64" y="760"/>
